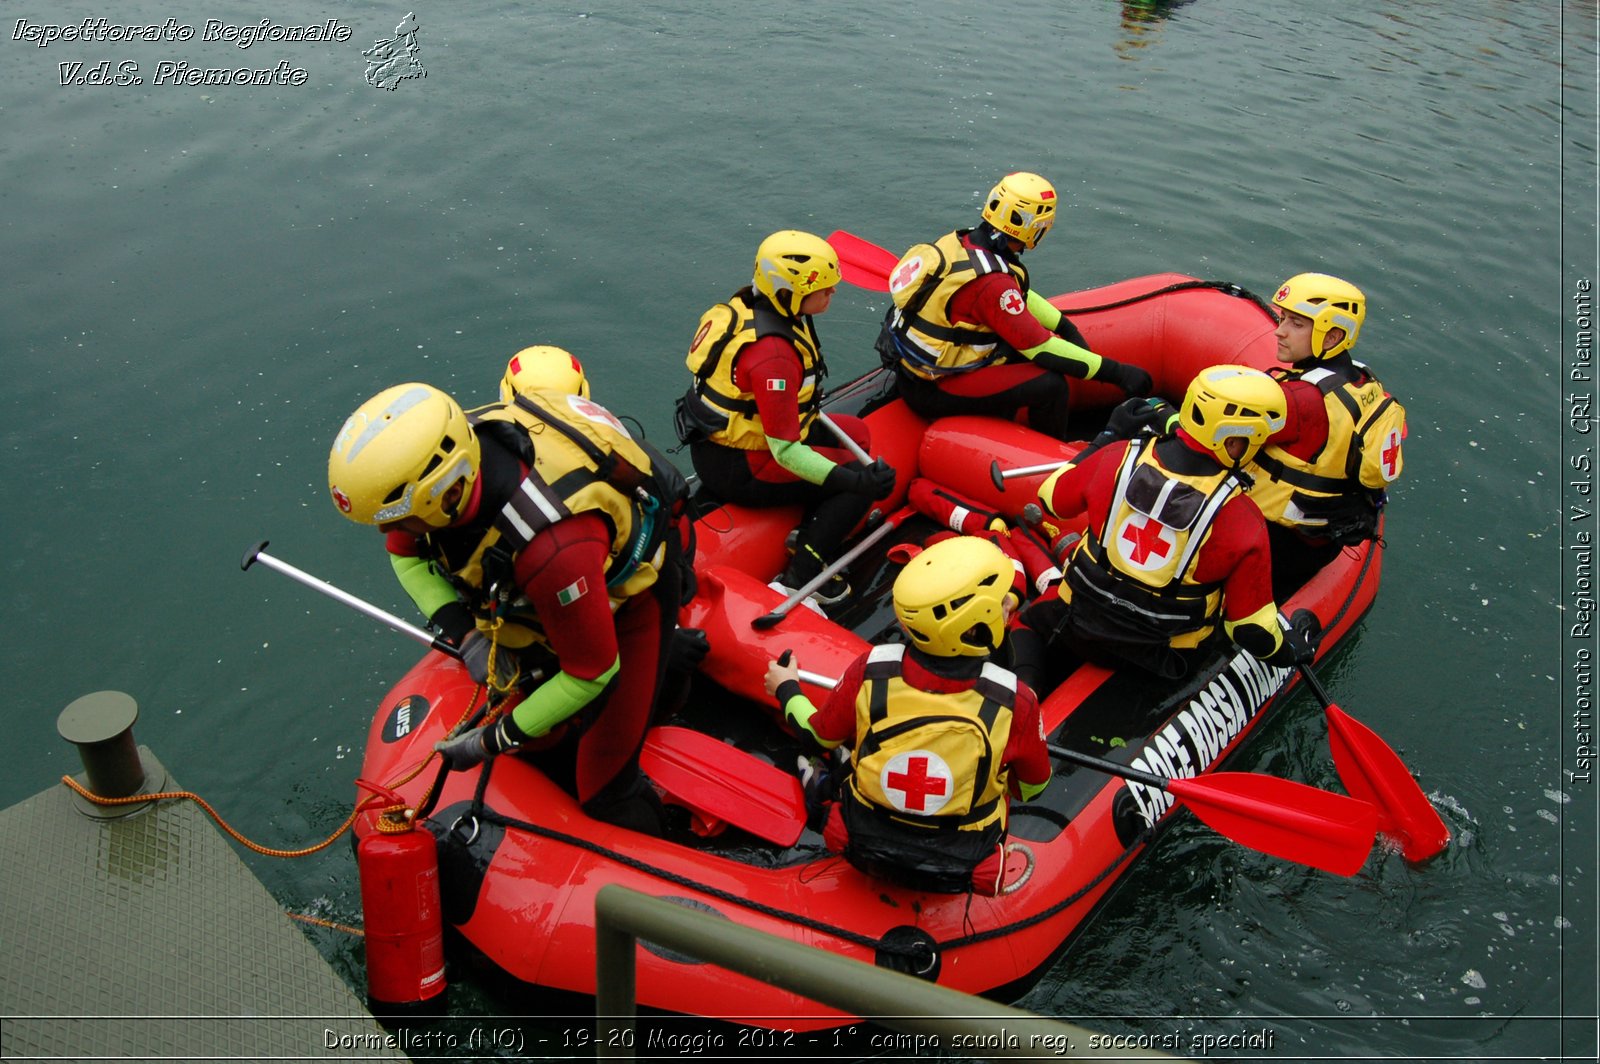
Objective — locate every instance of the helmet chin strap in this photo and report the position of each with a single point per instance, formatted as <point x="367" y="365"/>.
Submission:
<point x="994" y="240"/>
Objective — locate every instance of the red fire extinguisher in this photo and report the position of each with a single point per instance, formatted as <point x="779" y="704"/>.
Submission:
<point x="399" y="869"/>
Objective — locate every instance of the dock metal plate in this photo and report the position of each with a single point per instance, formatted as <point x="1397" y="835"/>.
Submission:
<point x="147" y="937"/>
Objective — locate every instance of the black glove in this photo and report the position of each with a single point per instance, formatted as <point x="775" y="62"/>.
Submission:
<point x="454" y="621"/>
<point x="1300" y="640"/>
<point x="1128" y="418"/>
<point x="1130" y="379"/>
<point x="465" y="750"/>
<point x="1069" y="332"/>
<point x="875" y="481"/>
<point x="475" y="656"/>
<point x="1136" y="414"/>
<point x="689" y="648"/>
<point x="1163" y="417"/>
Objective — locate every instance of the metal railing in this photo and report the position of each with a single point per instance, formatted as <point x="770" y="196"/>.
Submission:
<point x="893" y="1000"/>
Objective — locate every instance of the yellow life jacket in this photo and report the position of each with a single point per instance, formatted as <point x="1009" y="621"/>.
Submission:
<point x="1140" y="566"/>
<point x="583" y="461"/>
<point x="932" y="761"/>
<point x="1338" y="492"/>
<point x="717" y="409"/>
<point x="922" y="284"/>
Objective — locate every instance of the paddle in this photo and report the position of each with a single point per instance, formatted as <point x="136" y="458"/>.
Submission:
<point x="1000" y="476"/>
<point x="712" y="778"/>
<point x="258" y="553"/>
<point x="722" y="782"/>
<point x="861" y="262"/>
<point x="845" y="439"/>
<point x="1371" y="770"/>
<point x="779" y="612"/>
<point x="1275" y="816"/>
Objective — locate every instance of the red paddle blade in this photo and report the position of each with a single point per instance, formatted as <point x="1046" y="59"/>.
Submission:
<point x="720" y="782"/>
<point x="863" y="263"/>
<point x="1370" y="770"/>
<point x="1283" y="818"/>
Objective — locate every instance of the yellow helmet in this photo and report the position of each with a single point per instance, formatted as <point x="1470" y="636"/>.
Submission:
<point x="950" y="590"/>
<point x="790" y="265"/>
<point x="399" y="454"/>
<point x="1330" y="303"/>
<point x="1232" y="402"/>
<point x="1022" y="206"/>
<point x="542" y="368"/>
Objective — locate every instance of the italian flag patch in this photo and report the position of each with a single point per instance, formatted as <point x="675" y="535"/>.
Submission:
<point x="777" y="384"/>
<point x="573" y="592"/>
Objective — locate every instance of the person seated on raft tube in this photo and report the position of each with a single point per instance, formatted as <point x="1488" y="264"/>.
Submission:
<point x="750" y="417"/>
<point x="1173" y="546"/>
<point x="941" y="737"/>
<point x="1321" y="481"/>
<point x="967" y="335"/>
<point x="537" y="535"/>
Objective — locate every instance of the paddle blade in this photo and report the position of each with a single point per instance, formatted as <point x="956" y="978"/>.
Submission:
<point x="863" y="263"/>
<point x="1372" y="771"/>
<point x="1283" y="818"/>
<point x="721" y="782"/>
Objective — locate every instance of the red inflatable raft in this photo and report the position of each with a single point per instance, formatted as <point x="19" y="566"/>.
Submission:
<point x="520" y="863"/>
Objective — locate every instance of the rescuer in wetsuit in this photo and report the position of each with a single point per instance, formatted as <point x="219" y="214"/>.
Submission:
<point x="751" y="415"/>
<point x="1174" y="548"/>
<point x="941" y="738"/>
<point x="538" y="537"/>
<point x="545" y="368"/>
<point x="967" y="335"/>
<point x="1321" y="481"/>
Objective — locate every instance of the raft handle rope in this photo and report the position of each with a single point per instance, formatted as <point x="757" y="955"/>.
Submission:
<point x="844" y="934"/>
<point x="1227" y="288"/>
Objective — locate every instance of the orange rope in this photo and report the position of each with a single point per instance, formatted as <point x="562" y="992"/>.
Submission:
<point x="346" y="928"/>
<point x="223" y="824"/>
<point x="391" y="819"/>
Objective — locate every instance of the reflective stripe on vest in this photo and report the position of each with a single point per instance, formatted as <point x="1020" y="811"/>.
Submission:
<point x="1142" y="561"/>
<point x="584" y="462"/>
<point x="1334" y="471"/>
<point x="933" y="761"/>
<point x="922" y="284"/>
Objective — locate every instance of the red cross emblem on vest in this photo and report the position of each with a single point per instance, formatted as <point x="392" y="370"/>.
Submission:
<point x="1390" y="455"/>
<point x="1146" y="542"/>
<point x="917" y="782"/>
<point x="1012" y="302"/>
<point x="595" y="412"/>
<point x="908" y="272"/>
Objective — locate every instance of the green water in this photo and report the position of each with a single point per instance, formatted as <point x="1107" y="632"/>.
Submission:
<point x="201" y="281"/>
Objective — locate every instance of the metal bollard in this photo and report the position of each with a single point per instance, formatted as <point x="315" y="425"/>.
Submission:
<point x="100" y="725"/>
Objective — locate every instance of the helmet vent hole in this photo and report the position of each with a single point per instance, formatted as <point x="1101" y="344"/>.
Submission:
<point x="957" y="603"/>
<point x="394" y="496"/>
<point x="433" y="463"/>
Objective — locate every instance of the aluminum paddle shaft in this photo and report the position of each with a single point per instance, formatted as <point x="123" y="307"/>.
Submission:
<point x="258" y="553"/>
